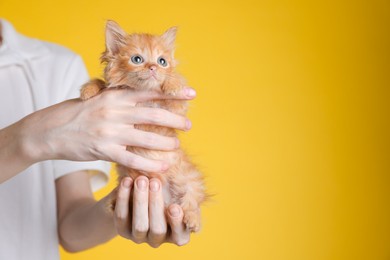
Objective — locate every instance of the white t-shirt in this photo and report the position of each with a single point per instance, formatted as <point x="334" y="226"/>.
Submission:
<point x="34" y="75"/>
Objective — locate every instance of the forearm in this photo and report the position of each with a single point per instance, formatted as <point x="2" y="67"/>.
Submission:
<point x="82" y="131"/>
<point x="14" y="156"/>
<point x="86" y="225"/>
<point x="32" y="139"/>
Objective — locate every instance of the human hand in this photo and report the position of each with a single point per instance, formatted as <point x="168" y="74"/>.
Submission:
<point x="101" y="128"/>
<point x="147" y="223"/>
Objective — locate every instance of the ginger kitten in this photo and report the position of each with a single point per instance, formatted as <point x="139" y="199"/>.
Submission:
<point x="145" y="62"/>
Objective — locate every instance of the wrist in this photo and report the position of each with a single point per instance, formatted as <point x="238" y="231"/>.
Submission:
<point x="29" y="141"/>
<point x="13" y="156"/>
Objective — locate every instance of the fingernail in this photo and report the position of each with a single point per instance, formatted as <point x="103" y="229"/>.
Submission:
<point x="190" y="92"/>
<point x="174" y="211"/>
<point x="141" y="184"/>
<point x="188" y="124"/>
<point x="154" y="186"/>
<point x="126" y="183"/>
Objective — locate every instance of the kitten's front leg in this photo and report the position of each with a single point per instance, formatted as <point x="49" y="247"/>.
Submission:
<point x="173" y="84"/>
<point x="91" y="88"/>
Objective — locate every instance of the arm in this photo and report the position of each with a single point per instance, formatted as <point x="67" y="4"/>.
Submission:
<point x="96" y="129"/>
<point x="84" y="223"/>
<point x="13" y="155"/>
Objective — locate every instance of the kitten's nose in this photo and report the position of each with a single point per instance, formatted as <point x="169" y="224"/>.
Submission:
<point x="152" y="67"/>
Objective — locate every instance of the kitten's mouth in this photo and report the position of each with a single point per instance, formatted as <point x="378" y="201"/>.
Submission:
<point x="150" y="78"/>
<point x="153" y="74"/>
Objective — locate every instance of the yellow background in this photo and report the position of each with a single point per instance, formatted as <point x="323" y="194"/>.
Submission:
<point x="291" y="122"/>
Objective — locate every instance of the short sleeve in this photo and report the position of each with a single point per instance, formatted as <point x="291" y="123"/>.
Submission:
<point x="75" y="76"/>
<point x="99" y="171"/>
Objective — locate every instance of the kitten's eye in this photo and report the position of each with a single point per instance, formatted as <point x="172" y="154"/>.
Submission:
<point x="162" y="62"/>
<point x="137" y="59"/>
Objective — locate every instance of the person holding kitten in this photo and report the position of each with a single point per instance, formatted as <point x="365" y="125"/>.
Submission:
<point x="52" y="152"/>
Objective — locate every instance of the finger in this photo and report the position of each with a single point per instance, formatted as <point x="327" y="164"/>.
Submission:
<point x="158" y="116"/>
<point x="121" y="217"/>
<point x="180" y="235"/>
<point x="157" y="221"/>
<point x="131" y="160"/>
<point x="149" y="140"/>
<point x="186" y="93"/>
<point x="140" y="225"/>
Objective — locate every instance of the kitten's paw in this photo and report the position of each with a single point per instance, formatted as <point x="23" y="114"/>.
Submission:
<point x="91" y="88"/>
<point x="89" y="92"/>
<point x="173" y="92"/>
<point x="192" y="220"/>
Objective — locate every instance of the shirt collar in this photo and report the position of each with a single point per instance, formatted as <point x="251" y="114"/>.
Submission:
<point x="18" y="45"/>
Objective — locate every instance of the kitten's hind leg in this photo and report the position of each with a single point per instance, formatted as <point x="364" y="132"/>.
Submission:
<point x="192" y="218"/>
<point x="189" y="192"/>
<point x="91" y="88"/>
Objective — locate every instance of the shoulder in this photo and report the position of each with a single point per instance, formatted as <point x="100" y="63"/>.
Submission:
<point x="59" y="62"/>
<point x="33" y="49"/>
<point x="59" y="71"/>
<point x="64" y="71"/>
<point x="58" y="51"/>
<point x="60" y="55"/>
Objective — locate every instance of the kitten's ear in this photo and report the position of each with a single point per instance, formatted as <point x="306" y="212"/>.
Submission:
<point x="115" y="37"/>
<point x="169" y="37"/>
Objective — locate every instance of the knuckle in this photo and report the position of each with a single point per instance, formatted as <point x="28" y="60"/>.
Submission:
<point x="138" y="240"/>
<point x="156" y="116"/>
<point x="135" y="163"/>
<point x="140" y="230"/>
<point x="150" y="140"/>
<point x="182" y="241"/>
<point x="102" y="132"/>
<point x="122" y="195"/>
<point x="103" y="112"/>
<point x="158" y="231"/>
<point x="154" y="245"/>
<point x="120" y="217"/>
<point x="130" y="161"/>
